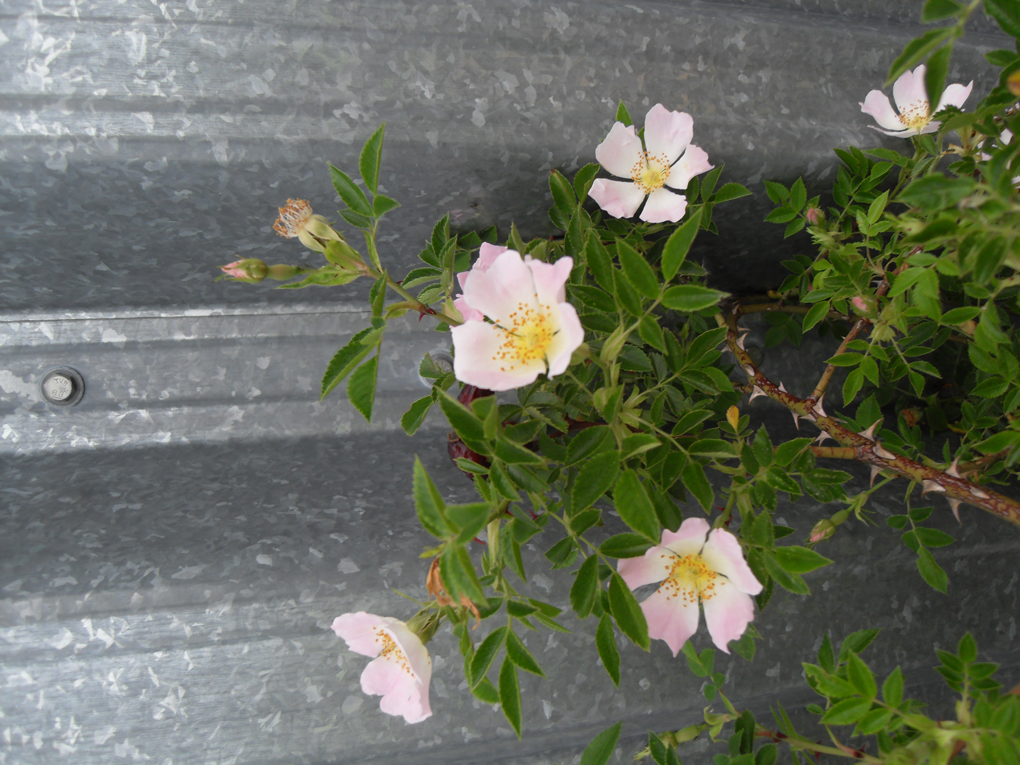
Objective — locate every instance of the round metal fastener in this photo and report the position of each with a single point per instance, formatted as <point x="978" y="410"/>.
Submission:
<point x="62" y="386"/>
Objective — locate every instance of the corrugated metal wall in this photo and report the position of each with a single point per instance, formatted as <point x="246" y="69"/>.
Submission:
<point x="173" y="549"/>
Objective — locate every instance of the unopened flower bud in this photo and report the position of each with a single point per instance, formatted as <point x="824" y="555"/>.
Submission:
<point x="863" y="306"/>
<point x="251" y="270"/>
<point x="424" y="624"/>
<point x="282" y="272"/>
<point x="822" y="530"/>
<point x="814" y="216"/>
<point x="296" y="220"/>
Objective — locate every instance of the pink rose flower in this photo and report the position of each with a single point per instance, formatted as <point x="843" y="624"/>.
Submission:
<point x="401" y="670"/>
<point x="650" y="168"/>
<point x="486" y="257"/>
<point x="693" y="569"/>
<point x="911" y="98"/>
<point x="533" y="329"/>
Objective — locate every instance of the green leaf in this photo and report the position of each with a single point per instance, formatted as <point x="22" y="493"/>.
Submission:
<point x="678" y="245"/>
<point x="861" y="677"/>
<point x="345" y="360"/>
<point x="458" y="574"/>
<point x="800" y="560"/>
<point x="792" y="582"/>
<point x="818" y="312"/>
<point x="584" y="179"/>
<point x="935" y="10"/>
<point x="651" y="332"/>
<point x="349" y="192"/>
<point x="596" y="476"/>
<point x="917" y="50"/>
<point x="892" y="688"/>
<point x="627" y="612"/>
<point x="605" y="641"/>
<point x="626" y="545"/>
<point x="636" y="269"/>
<point x="510" y="694"/>
<point x="999" y="442"/>
<point x="485" y="653"/>
<point x="562" y="193"/>
<point x="486" y="692"/>
<point x="852" y="385"/>
<point x="826" y="657"/>
<point x="599" y="262"/>
<point x="361" y="387"/>
<point x="938" y="67"/>
<point x="730" y="191"/>
<point x="590" y="441"/>
<point x="585" y="587"/>
<point x="428" y="503"/>
<point x="856" y="642"/>
<point x="1007" y="13"/>
<point x="470" y="519"/>
<point x="933" y="537"/>
<point x="415" y="416"/>
<point x="467" y="424"/>
<point x="371" y="156"/>
<point x="520" y="655"/>
<point x="798" y="195"/>
<point x="693" y="477"/>
<point x="967" y="649"/>
<point x="602" y="746"/>
<point x="846" y="712"/>
<point x="622" y="115"/>
<point x="931" y="571"/>
<point x="691" y="297"/>
<point x="634" y="506"/>
<point x="382" y="204"/>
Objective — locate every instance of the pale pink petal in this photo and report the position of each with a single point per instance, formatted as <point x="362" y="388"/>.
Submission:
<point x="462" y="277"/>
<point x="487" y="256"/>
<point x="402" y="694"/>
<point x="569" y="335"/>
<point x="878" y="106"/>
<point x="469" y="313"/>
<point x="723" y="553"/>
<point x="694" y="162"/>
<point x="909" y="90"/>
<point x="498" y="291"/>
<point x="550" y="278"/>
<point x="663" y="206"/>
<point x="653" y="566"/>
<point x="477" y="360"/>
<point x="688" y="539"/>
<point x="931" y="127"/>
<point x="415" y="651"/>
<point x="955" y="95"/>
<point x="1006" y="136"/>
<point x="621" y="199"/>
<point x="620" y="151"/>
<point x="667" y="133"/>
<point x="895" y="133"/>
<point x="728" y="611"/>
<point x="361" y="631"/>
<point x="671" y="617"/>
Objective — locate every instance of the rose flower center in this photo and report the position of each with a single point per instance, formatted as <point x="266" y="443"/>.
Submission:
<point x="526" y="336"/>
<point x="916" y="116"/>
<point x="650" y="173"/>
<point x="689" y="578"/>
<point x="392" y="651"/>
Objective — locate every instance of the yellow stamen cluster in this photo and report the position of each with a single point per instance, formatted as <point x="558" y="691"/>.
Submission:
<point x="916" y="116"/>
<point x="293" y="218"/>
<point x="650" y="172"/>
<point x="391" y="650"/>
<point x="689" y="578"/>
<point x="527" y="334"/>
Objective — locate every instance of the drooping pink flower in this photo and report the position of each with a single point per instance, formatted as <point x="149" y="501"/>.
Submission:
<point x="486" y="257"/>
<point x="911" y="98"/>
<point x="533" y="329"/>
<point x="401" y="670"/>
<point x="651" y="168"/>
<point x="692" y="568"/>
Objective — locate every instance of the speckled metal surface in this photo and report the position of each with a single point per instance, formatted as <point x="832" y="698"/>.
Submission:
<point x="201" y="375"/>
<point x="144" y="144"/>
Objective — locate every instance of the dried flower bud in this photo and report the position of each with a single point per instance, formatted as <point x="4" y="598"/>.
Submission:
<point x="434" y="584"/>
<point x="251" y="270"/>
<point x="296" y="220"/>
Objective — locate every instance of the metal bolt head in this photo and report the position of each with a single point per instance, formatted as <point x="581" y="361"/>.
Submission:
<point x="62" y="386"/>
<point x="58" y="387"/>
